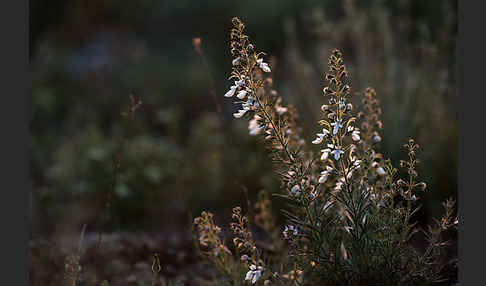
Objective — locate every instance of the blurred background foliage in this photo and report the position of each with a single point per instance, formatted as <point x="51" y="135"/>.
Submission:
<point x="180" y="155"/>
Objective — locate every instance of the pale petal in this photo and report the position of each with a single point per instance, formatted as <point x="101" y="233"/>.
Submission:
<point x="249" y="275"/>
<point x="319" y="139"/>
<point x="240" y="113"/>
<point x="325" y="154"/>
<point x="241" y="94"/>
<point x="380" y="171"/>
<point x="322" y="179"/>
<point x="230" y="92"/>
<point x="240" y="82"/>
<point x="350" y="174"/>
<point x="265" y="67"/>
<point x="337" y="153"/>
<point x="256" y="275"/>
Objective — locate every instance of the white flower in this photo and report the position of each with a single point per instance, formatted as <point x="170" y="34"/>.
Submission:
<point x="236" y="61"/>
<point x="324" y="174"/>
<point x="250" y="102"/>
<point x="240" y="82"/>
<point x="336" y="126"/>
<point x="323" y="177"/>
<point x="355" y="135"/>
<point x="380" y="171"/>
<point x="350" y="174"/>
<point x="255" y="130"/>
<point x="233" y="88"/>
<point x="254" y="126"/>
<point x="241" y="94"/>
<point x="240" y="113"/>
<point x="349" y="106"/>
<point x="325" y="153"/>
<point x="230" y="92"/>
<point x="254" y="273"/>
<point x="295" y="190"/>
<point x="320" y="136"/>
<point x="325" y="107"/>
<point x="337" y="153"/>
<point x="376" y="138"/>
<point x="339" y="184"/>
<point x="319" y="139"/>
<point x="264" y="66"/>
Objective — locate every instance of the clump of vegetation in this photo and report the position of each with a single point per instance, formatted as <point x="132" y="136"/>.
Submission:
<point x="349" y="213"/>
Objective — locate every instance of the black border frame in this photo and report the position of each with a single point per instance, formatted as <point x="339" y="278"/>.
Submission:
<point x="470" y="60"/>
<point x="15" y="210"/>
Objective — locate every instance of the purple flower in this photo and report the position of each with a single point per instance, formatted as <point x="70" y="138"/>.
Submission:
<point x="289" y="231"/>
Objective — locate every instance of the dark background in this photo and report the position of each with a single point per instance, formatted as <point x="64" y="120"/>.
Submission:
<point x="180" y="155"/>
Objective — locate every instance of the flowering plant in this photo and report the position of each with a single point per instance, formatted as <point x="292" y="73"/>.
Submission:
<point x="349" y="215"/>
